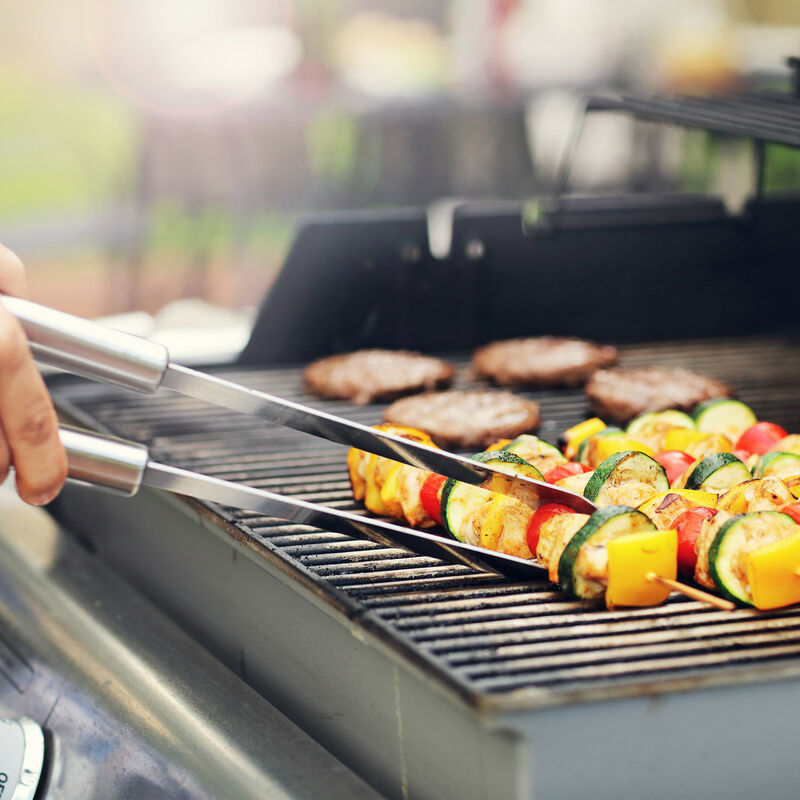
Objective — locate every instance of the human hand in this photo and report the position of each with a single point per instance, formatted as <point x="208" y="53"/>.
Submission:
<point x="29" y="438"/>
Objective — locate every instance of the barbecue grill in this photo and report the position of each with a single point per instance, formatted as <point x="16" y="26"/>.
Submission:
<point x="433" y="680"/>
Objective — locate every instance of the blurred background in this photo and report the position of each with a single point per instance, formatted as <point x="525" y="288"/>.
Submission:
<point x="152" y="150"/>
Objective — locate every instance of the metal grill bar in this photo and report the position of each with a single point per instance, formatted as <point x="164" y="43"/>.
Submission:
<point x="490" y="637"/>
<point x="769" y="117"/>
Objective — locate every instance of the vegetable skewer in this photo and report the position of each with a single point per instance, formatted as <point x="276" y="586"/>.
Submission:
<point x="667" y="504"/>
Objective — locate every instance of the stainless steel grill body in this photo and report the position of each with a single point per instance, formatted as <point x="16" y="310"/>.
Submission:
<point x="433" y="680"/>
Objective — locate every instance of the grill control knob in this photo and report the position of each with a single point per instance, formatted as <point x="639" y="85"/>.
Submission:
<point x="21" y="758"/>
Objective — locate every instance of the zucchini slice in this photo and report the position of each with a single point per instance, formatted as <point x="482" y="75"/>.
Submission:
<point x="459" y="499"/>
<point x="735" y="540"/>
<point x="505" y="461"/>
<point x="652" y="427"/>
<point x="671" y="417"/>
<point x="629" y="474"/>
<point x="534" y="450"/>
<point x="583" y="566"/>
<point x="718" y="472"/>
<point x="584" y="451"/>
<point x="724" y="415"/>
<point x="779" y="465"/>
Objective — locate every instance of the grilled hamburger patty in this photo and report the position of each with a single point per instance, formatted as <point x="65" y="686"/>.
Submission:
<point x="466" y="419"/>
<point x="365" y="376"/>
<point x="541" y="361"/>
<point x="620" y="394"/>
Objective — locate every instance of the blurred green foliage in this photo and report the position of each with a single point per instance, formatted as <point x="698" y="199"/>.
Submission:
<point x="182" y="235"/>
<point x="63" y="148"/>
<point x="782" y="168"/>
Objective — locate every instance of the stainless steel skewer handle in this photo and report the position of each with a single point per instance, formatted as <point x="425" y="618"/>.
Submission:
<point x="101" y="462"/>
<point x="88" y="349"/>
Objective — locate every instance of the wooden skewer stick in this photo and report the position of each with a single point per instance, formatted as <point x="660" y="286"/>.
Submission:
<point x="690" y="591"/>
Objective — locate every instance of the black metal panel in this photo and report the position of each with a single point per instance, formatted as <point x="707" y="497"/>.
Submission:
<point x="614" y="269"/>
<point x="486" y="635"/>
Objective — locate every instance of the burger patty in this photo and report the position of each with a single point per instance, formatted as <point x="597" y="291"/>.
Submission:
<point x="365" y="376"/>
<point x="620" y="394"/>
<point x="541" y="361"/>
<point x="466" y="419"/>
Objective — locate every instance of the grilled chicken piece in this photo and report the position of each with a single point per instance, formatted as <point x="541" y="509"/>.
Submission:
<point x="512" y="539"/>
<point x="575" y="483"/>
<point x="554" y="536"/>
<point x="628" y="493"/>
<point x="409" y="483"/>
<point x="763" y="494"/>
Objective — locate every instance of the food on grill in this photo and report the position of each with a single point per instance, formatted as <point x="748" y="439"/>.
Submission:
<point x="658" y="514"/>
<point x="466" y="419"/>
<point x="688" y="525"/>
<point x="583" y="565"/>
<point x="541" y="361"/>
<point x="761" y="437"/>
<point x="366" y="376"/>
<point x="430" y="496"/>
<point x="741" y="559"/>
<point x="665" y="507"/>
<point x="543" y="455"/>
<point x="369" y="475"/>
<point x="478" y="516"/>
<point x="723" y="415"/>
<point x="675" y="463"/>
<point x="627" y="478"/>
<point x="775" y="463"/>
<point x="715" y="473"/>
<point x="574" y="437"/>
<point x="759" y="494"/>
<point x="651" y="427"/>
<point x="620" y="394"/>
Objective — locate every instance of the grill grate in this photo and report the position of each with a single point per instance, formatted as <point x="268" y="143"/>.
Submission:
<point x="769" y="117"/>
<point x="495" y="640"/>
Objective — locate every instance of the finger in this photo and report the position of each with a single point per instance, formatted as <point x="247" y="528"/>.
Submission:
<point x="5" y="456"/>
<point x="12" y="273"/>
<point x="28" y="418"/>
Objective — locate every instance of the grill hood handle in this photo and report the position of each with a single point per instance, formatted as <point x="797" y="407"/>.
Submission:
<point x="122" y="467"/>
<point x="89" y="349"/>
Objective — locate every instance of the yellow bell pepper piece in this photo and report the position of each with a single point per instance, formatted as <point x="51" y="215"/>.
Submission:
<point x="631" y="558"/>
<point x="608" y="445"/>
<point x="578" y="433"/>
<point x="492" y="525"/>
<point x="498" y="445"/>
<point x="372" y="496"/>
<point x="772" y="572"/>
<point x="355" y="460"/>
<point x="696" y="443"/>
<point x="390" y="493"/>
